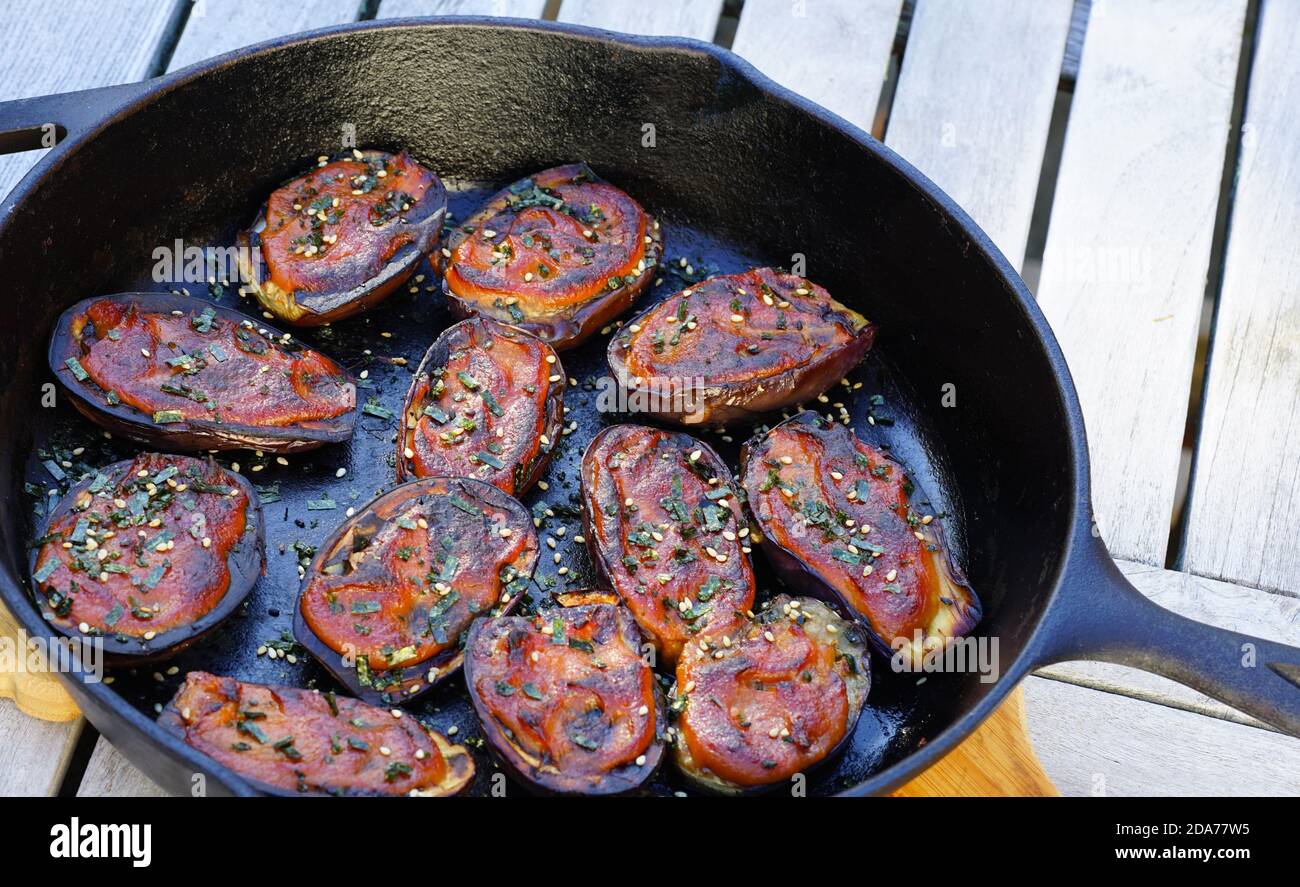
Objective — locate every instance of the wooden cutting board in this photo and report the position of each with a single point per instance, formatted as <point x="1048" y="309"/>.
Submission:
<point x="996" y="760"/>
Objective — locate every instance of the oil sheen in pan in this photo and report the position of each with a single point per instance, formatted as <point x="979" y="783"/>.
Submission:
<point x="303" y="501"/>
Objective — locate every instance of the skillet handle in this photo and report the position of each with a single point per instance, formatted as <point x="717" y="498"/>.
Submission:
<point x="1100" y="616"/>
<point x="45" y="121"/>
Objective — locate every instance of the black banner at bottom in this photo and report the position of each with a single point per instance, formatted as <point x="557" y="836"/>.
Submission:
<point x="1082" y="834"/>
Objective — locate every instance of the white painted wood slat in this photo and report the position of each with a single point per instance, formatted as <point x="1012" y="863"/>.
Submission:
<point x="35" y="753"/>
<point x="974" y="103"/>
<point x="835" y="52"/>
<point x="669" y="18"/>
<point x="60" y="47"/>
<point x="1244" y="517"/>
<point x="511" y="8"/>
<point x="217" y="26"/>
<point x="1128" y="245"/>
<point x="109" y="774"/>
<point x="1091" y="743"/>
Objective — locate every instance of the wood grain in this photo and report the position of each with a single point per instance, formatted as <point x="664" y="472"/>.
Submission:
<point x="997" y="760"/>
<point x="110" y="775"/>
<point x="1095" y="743"/>
<point x="973" y="114"/>
<point x="1128" y="244"/>
<point x="835" y="52"/>
<point x="1244" y="515"/>
<point x="35" y="753"/>
<point x="217" y="26"/>
<point x="512" y="8"/>
<point x="669" y="18"/>
<point x="59" y="47"/>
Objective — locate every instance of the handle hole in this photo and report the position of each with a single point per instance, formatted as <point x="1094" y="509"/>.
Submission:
<point x="32" y="138"/>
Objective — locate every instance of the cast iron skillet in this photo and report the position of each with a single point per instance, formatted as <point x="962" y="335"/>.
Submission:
<point x="742" y="172"/>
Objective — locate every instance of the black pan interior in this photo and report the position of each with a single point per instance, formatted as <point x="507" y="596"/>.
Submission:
<point x="738" y="176"/>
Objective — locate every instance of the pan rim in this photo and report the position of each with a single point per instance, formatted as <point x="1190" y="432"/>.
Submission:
<point x="1077" y="530"/>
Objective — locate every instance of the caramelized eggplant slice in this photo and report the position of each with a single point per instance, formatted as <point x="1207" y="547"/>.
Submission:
<point x="736" y="346"/>
<point x="560" y="254"/>
<point x="838" y="516"/>
<point x="665" y="528"/>
<point x="342" y="237"/>
<point x="487" y="402"/>
<point x="392" y="591"/>
<point x="773" y="696"/>
<point x="566" y="699"/>
<point x="303" y="742"/>
<point x="184" y="374"/>
<point x="151" y="554"/>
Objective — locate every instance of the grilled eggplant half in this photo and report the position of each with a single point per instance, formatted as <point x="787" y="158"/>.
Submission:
<point x="183" y="374"/>
<point x="736" y="346"/>
<point x="151" y="554"/>
<point x="486" y="402"/>
<point x="838" y="516"/>
<point x="390" y="593"/>
<point x="343" y="236"/>
<point x="290" y="741"/>
<point x="773" y="696"/>
<point x="560" y="254"/>
<point x="665" y="528"/>
<point x="566" y="698"/>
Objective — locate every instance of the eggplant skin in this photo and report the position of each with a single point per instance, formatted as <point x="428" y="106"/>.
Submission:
<point x="390" y="594"/>
<point x="560" y="254"/>
<point x="736" y="346"/>
<point x="589" y="680"/>
<point x="470" y="412"/>
<point x="666" y="530"/>
<point x="69" y="344"/>
<point x="179" y="578"/>
<point x="381" y="225"/>
<point x="838" y="523"/>
<point x="293" y="742"/>
<point x="763" y="709"/>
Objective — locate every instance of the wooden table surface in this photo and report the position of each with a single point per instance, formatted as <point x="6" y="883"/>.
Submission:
<point x="1157" y="144"/>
